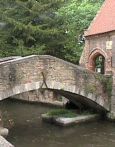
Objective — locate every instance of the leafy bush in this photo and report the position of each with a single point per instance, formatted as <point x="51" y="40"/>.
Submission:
<point x="61" y="113"/>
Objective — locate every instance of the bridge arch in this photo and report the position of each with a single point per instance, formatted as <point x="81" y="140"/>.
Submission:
<point x="19" y="76"/>
<point x="94" y="55"/>
<point x="73" y="93"/>
<point x="81" y="101"/>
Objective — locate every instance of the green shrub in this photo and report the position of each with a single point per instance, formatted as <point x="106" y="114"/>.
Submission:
<point x="61" y="113"/>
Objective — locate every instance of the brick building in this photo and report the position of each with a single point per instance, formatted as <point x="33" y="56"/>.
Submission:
<point x="100" y="41"/>
<point x="100" y="46"/>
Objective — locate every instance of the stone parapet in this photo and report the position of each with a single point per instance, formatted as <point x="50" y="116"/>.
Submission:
<point x="4" y="142"/>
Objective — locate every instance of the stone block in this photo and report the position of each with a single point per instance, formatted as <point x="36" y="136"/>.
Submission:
<point x="4" y="142"/>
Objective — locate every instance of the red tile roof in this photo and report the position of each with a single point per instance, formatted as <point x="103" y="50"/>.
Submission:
<point x="104" y="20"/>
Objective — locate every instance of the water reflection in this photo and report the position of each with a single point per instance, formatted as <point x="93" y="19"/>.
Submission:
<point x="27" y="129"/>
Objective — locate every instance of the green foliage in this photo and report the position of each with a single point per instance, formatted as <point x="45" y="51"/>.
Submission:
<point x="78" y="15"/>
<point x="31" y="27"/>
<point x="109" y="86"/>
<point x="90" y="88"/>
<point x="61" y="113"/>
<point x="52" y="27"/>
<point x="106" y="82"/>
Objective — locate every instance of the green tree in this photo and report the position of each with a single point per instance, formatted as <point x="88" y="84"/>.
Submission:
<point x="77" y="15"/>
<point x="31" y="27"/>
<point x="52" y="27"/>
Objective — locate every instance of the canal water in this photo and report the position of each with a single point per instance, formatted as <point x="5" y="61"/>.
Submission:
<point x="27" y="129"/>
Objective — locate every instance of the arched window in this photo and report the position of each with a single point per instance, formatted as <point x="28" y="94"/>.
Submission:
<point x="100" y="64"/>
<point x="96" y="61"/>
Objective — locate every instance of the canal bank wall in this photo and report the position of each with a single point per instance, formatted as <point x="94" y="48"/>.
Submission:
<point x="45" y="96"/>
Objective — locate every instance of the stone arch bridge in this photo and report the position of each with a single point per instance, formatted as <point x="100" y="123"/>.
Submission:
<point x="35" y="72"/>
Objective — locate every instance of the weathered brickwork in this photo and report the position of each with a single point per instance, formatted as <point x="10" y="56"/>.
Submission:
<point x="42" y="96"/>
<point x="39" y="72"/>
<point x="103" y="44"/>
<point x="100" y="41"/>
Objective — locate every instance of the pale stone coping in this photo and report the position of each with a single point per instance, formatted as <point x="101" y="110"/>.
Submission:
<point x="9" y="58"/>
<point x="4" y="142"/>
<point x="49" y="57"/>
<point x="68" y="121"/>
<point x="19" y="58"/>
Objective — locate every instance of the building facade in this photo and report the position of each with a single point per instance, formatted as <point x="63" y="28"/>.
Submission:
<point x="99" y="51"/>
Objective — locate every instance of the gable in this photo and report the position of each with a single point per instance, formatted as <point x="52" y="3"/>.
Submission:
<point x="104" y="20"/>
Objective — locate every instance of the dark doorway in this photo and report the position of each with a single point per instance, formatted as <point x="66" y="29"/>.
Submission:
<point x="100" y="64"/>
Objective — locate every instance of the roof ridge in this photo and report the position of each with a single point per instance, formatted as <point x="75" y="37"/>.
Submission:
<point x="107" y="27"/>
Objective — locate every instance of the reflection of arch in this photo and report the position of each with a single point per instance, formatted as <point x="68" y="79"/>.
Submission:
<point x="92" y="58"/>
